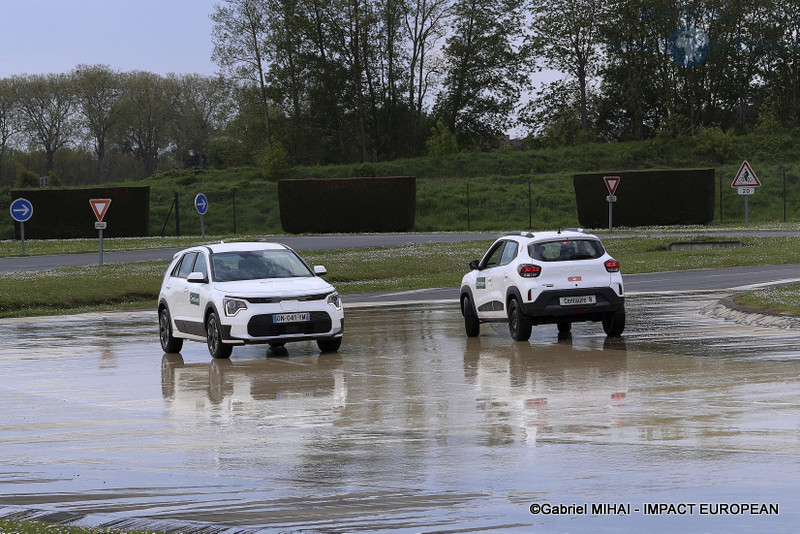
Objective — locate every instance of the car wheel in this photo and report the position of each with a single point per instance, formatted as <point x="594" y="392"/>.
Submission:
<point x="614" y="323"/>
<point x="216" y="347"/>
<point x="329" y="345"/>
<point x="518" y="324"/>
<point x="169" y="344"/>
<point x="471" y="323"/>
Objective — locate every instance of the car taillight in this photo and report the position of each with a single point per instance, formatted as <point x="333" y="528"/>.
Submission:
<point x="612" y="266"/>
<point x="526" y="270"/>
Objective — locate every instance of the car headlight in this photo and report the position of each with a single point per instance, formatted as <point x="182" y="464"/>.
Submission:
<point x="335" y="301"/>
<point x="232" y="306"/>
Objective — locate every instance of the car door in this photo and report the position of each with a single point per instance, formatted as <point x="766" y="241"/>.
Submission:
<point x="488" y="284"/>
<point x="185" y="306"/>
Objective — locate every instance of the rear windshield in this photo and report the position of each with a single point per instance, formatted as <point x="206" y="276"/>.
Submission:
<point x="568" y="250"/>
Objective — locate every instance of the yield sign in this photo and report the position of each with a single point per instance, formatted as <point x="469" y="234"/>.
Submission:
<point x="746" y="177"/>
<point x="100" y="207"/>
<point x="611" y="183"/>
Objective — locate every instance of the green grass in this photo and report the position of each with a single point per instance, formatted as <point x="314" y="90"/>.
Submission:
<point x="39" y="527"/>
<point x="781" y="300"/>
<point x="407" y="267"/>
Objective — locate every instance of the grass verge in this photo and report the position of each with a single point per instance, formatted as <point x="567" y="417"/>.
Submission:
<point x="416" y="266"/>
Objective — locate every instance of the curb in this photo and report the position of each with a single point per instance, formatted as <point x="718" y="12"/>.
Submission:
<point x="726" y="309"/>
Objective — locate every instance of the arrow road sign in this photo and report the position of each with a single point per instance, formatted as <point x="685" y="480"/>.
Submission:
<point x="100" y="207"/>
<point x="611" y="183"/>
<point x="21" y="210"/>
<point x="201" y="204"/>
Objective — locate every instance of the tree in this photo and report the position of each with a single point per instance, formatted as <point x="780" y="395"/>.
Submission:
<point x="484" y="73"/>
<point x="202" y="106"/>
<point x="565" y="34"/>
<point x="99" y="92"/>
<point x="9" y="116"/>
<point x="46" y="102"/>
<point x="148" y="117"/>
<point x="240" y="34"/>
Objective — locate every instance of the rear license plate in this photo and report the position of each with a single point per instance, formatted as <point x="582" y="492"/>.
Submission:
<point x="577" y="301"/>
<point x="291" y="318"/>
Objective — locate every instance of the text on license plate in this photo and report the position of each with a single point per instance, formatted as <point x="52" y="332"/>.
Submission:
<point x="577" y="301"/>
<point x="291" y="318"/>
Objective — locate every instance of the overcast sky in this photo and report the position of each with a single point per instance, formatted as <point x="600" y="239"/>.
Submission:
<point x="55" y="36"/>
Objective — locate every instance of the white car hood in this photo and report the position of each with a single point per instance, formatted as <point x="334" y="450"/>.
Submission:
<point x="275" y="287"/>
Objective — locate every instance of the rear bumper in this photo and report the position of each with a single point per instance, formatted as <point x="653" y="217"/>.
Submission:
<point x="548" y="309"/>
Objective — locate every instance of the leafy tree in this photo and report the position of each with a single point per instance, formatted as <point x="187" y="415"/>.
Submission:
<point x="9" y="117"/>
<point x="484" y="70"/>
<point x="441" y="141"/>
<point x="47" y="102"/>
<point x="99" y="91"/>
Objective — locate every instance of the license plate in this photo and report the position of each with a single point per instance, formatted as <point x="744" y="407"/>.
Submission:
<point x="577" y="301"/>
<point x="291" y="318"/>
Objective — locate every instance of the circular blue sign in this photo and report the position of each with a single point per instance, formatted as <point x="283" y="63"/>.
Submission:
<point x="21" y="210"/>
<point x="201" y="204"/>
<point x="689" y="46"/>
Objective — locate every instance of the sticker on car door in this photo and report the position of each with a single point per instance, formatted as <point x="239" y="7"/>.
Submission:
<point x="480" y="283"/>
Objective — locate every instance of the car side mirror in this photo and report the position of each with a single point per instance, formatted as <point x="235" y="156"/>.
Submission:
<point x="197" y="278"/>
<point x="319" y="270"/>
<point x="474" y="265"/>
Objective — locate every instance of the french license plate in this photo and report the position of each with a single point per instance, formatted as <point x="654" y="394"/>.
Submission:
<point x="578" y="300"/>
<point x="291" y="318"/>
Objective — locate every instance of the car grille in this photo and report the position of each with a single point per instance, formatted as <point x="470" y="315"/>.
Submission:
<point x="275" y="300"/>
<point x="262" y="325"/>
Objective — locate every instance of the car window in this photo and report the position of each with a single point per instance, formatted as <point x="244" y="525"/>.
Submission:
<point x="254" y="265"/>
<point x="567" y="250"/>
<point x="495" y="254"/>
<point x="509" y="253"/>
<point x="200" y="265"/>
<point x="185" y="266"/>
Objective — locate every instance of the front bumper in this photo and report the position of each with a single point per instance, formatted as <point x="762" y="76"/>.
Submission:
<point x="258" y="326"/>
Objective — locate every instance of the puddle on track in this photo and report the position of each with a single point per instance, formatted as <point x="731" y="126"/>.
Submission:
<point x="412" y="427"/>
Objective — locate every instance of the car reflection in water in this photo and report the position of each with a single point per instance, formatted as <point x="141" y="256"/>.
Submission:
<point x="198" y="386"/>
<point x="542" y="390"/>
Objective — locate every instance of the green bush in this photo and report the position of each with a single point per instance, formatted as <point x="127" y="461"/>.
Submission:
<point x="441" y="141"/>
<point x="275" y="161"/>
<point x="26" y="179"/>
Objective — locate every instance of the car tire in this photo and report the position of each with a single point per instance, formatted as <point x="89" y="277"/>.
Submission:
<point x="329" y="345"/>
<point x="614" y="323"/>
<point x="519" y="325"/>
<point x="472" y="325"/>
<point x="169" y="343"/>
<point x="216" y="347"/>
<point x="277" y="345"/>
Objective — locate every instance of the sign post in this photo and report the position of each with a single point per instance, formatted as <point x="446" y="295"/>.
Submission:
<point x="201" y="205"/>
<point x="611" y="183"/>
<point x="746" y="182"/>
<point x="21" y="210"/>
<point x="100" y="207"/>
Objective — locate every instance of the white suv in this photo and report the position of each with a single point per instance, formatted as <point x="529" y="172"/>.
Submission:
<point x="537" y="278"/>
<point x="237" y="293"/>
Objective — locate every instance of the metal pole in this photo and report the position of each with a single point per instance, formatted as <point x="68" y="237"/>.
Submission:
<point x="746" y="212"/>
<point x="467" y="205"/>
<point x="202" y="227"/>
<point x="784" y="196"/>
<point x="610" y="210"/>
<point x="177" y="216"/>
<point x="101" y="246"/>
<point x="22" y="236"/>
<point x="530" y="208"/>
<point x="720" y="199"/>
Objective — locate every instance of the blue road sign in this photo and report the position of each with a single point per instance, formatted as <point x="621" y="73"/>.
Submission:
<point x="21" y="210"/>
<point x="201" y="204"/>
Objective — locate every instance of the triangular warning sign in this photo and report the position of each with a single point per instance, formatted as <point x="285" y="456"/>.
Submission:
<point x="746" y="177"/>
<point x="611" y="183"/>
<point x="100" y="207"/>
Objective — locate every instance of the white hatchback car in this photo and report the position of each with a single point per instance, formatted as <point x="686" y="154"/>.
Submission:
<point x="239" y="293"/>
<point x="528" y="279"/>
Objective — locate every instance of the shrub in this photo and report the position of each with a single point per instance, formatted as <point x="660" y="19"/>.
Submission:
<point x="441" y="141"/>
<point x="275" y="161"/>
<point x="26" y="179"/>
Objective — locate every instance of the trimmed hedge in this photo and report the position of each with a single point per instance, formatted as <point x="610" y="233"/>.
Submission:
<point x="385" y="204"/>
<point x="67" y="213"/>
<point x="647" y="198"/>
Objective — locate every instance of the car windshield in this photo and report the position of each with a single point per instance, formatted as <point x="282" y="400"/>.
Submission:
<point x="257" y="264"/>
<point x="566" y="250"/>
